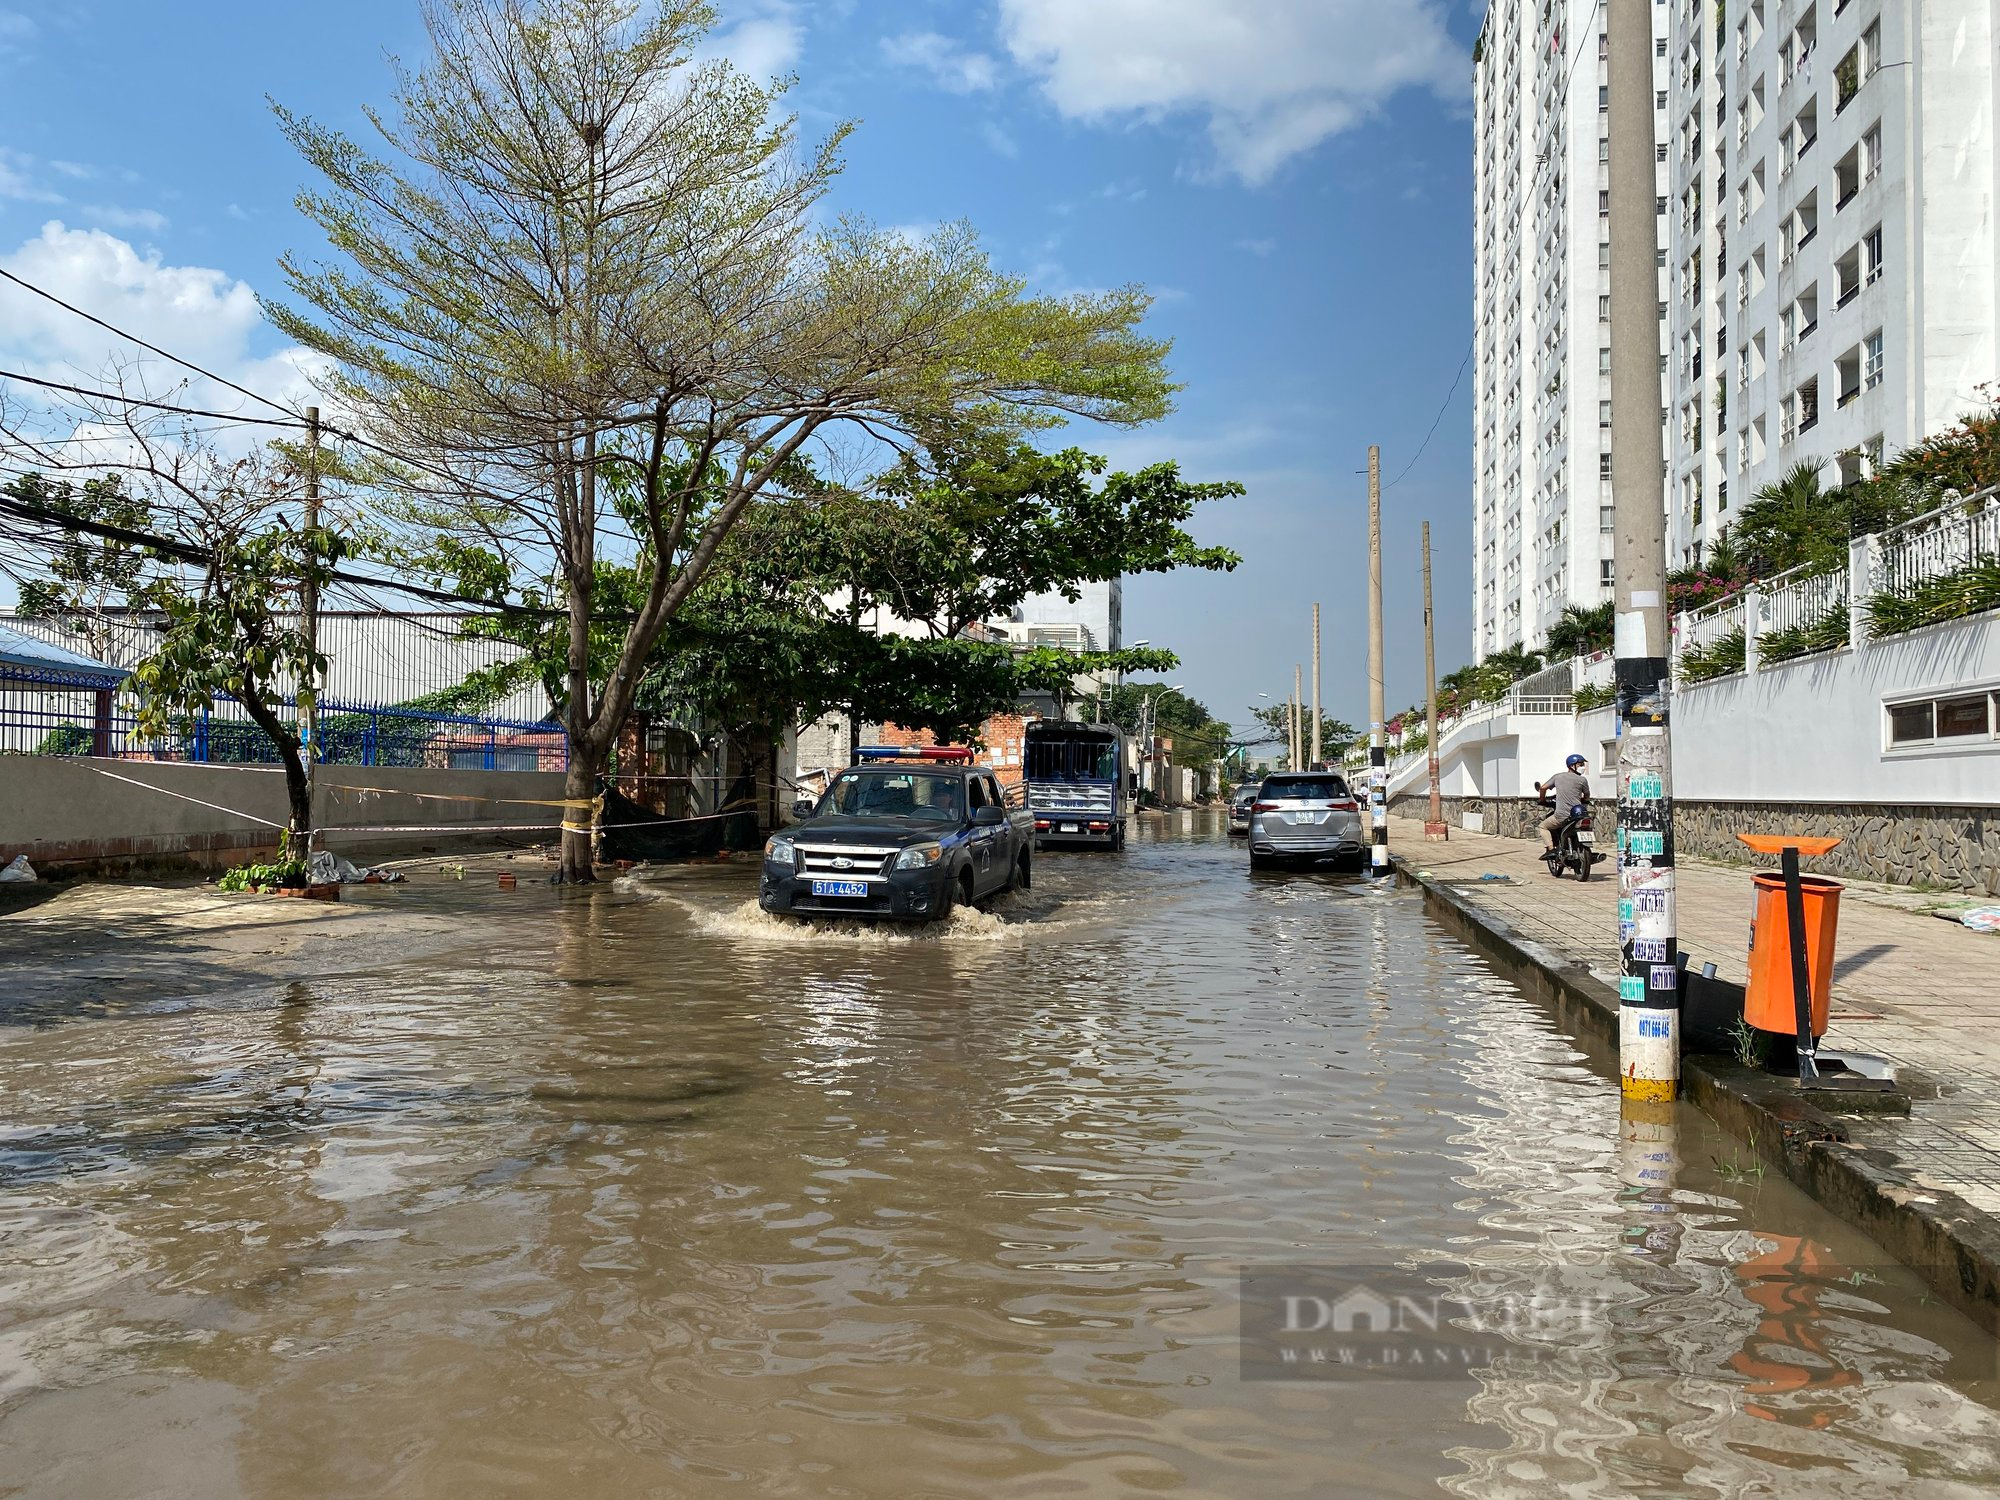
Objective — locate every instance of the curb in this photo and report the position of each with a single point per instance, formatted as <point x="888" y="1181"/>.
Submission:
<point x="1952" y="1245"/>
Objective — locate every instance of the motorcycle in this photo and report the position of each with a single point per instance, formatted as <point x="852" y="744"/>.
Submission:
<point x="1573" y="849"/>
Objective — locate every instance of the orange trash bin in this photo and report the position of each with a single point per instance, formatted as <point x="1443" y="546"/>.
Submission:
<point x="1767" y="1000"/>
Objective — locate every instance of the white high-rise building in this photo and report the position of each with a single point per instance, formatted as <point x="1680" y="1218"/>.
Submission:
<point x="1542" y="283"/>
<point x="1833" y="253"/>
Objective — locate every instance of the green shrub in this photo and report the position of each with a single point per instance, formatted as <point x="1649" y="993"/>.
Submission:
<point x="1827" y="633"/>
<point x="66" y="739"/>
<point x="1718" y="658"/>
<point x="1593" y="695"/>
<point x="1934" y="600"/>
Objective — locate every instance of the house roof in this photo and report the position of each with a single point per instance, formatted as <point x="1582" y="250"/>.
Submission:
<point x="22" y="656"/>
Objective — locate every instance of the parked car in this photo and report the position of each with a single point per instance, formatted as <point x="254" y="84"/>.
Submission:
<point x="1239" y="806"/>
<point x="1305" y="817"/>
<point x="905" y="835"/>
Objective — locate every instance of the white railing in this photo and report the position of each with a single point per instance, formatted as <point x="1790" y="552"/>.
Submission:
<point x="1938" y="543"/>
<point x="1707" y="625"/>
<point x="1799" y="597"/>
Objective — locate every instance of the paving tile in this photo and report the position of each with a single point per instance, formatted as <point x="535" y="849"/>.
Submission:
<point x="1921" y="992"/>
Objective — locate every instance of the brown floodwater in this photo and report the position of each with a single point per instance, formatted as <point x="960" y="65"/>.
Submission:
<point x="636" y="1192"/>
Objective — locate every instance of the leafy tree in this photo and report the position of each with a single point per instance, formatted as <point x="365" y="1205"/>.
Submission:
<point x="585" y="277"/>
<point x="1581" y="630"/>
<point x="981" y="523"/>
<point x="1054" y="671"/>
<point x="81" y="577"/>
<point x="1336" y="736"/>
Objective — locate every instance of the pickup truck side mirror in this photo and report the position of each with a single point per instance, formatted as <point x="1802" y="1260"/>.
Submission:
<point x="988" y="816"/>
<point x="803" y="808"/>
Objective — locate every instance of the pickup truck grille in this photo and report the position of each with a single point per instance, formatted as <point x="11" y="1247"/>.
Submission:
<point x="1063" y="797"/>
<point x="845" y="861"/>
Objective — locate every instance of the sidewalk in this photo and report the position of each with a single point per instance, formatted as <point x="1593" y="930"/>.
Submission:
<point x="1922" y="992"/>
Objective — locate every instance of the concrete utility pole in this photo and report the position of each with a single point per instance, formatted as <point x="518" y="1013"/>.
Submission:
<point x="1316" y="714"/>
<point x="1434" y="824"/>
<point x="1649" y="982"/>
<point x="309" y="612"/>
<point x="1378" y="743"/>
<point x="1298" y="718"/>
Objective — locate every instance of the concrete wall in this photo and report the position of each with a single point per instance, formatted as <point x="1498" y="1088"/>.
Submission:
<point x="72" y="814"/>
<point x="1813" y="731"/>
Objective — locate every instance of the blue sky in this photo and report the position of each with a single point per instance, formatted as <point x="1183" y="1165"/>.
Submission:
<point x="1290" y="177"/>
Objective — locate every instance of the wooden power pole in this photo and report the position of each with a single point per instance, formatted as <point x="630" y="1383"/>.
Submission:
<point x="308" y="700"/>
<point x="1434" y="824"/>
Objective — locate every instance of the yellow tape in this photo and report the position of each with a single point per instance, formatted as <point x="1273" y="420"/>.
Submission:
<point x="592" y="803"/>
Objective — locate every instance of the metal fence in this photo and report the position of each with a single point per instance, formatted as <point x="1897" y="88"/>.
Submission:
<point x="1801" y="598"/>
<point x="68" y="721"/>
<point x="1701" y="629"/>
<point x="1937" y="544"/>
<point x="377" y="664"/>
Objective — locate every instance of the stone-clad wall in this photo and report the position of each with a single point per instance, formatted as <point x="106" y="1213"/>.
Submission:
<point x="1956" y="848"/>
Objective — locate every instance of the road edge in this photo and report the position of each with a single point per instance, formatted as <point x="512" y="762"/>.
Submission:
<point x="1952" y="1245"/>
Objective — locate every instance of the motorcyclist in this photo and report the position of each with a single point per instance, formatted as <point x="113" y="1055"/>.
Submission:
<point x="1569" y="788"/>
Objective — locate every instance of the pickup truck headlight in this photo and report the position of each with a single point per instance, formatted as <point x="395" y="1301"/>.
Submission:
<point x="919" y="857"/>
<point x="779" y="851"/>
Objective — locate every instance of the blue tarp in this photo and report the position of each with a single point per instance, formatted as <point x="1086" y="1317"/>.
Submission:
<point x="39" y="661"/>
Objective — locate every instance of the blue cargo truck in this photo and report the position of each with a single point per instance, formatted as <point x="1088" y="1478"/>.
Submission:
<point x="1076" y="782"/>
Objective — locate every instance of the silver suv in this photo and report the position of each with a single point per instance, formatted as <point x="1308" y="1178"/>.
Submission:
<point x="1305" y="817"/>
<point x="1239" y="807"/>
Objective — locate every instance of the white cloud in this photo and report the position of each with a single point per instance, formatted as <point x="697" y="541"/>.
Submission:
<point x="17" y="179"/>
<point x="125" y="218"/>
<point x="75" y="169"/>
<point x="200" y="314"/>
<point x="16" y="31"/>
<point x="949" y="65"/>
<point x="762" y="38"/>
<point x="1001" y="142"/>
<point x="1256" y="247"/>
<point x="1271" y="78"/>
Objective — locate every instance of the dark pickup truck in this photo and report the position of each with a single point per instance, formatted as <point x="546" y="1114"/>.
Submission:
<point x="906" y="836"/>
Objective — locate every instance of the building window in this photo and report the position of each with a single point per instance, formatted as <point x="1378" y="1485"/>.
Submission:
<point x="1958" y="719"/>
<point x="1604" y="207"/>
<point x="1603" y="149"/>
<point x="1871" y="153"/>
<point x="1603" y="100"/>
<point x="1607" y="571"/>
<point x="1871" y="361"/>
<point x="1604" y="361"/>
<point x="1871" y="255"/>
<point x="1604" y="414"/>
<point x="1604" y="461"/>
<point x="1604" y="309"/>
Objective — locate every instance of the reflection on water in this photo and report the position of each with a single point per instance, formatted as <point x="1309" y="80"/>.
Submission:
<point x="640" y="1192"/>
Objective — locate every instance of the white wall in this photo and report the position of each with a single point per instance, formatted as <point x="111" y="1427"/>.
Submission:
<point x="1814" y="730"/>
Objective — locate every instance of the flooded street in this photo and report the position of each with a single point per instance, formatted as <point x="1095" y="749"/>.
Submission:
<point x="639" y="1192"/>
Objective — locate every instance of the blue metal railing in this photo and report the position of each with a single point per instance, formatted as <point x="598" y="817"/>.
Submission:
<point x="47" y="718"/>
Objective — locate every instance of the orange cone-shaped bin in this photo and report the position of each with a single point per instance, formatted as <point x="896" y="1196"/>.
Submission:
<point x="1767" y="1000"/>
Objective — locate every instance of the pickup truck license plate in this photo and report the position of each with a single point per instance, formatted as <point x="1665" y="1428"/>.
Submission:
<point x="1069" y="828"/>
<point x="840" y="888"/>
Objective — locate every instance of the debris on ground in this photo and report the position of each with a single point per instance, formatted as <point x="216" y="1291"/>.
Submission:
<point x="328" y="868"/>
<point x="1976" y="918"/>
<point x="18" y="870"/>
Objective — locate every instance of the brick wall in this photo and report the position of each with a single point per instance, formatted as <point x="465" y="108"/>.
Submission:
<point x="999" y="744"/>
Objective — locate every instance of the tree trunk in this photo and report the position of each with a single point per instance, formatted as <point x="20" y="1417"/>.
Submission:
<point x="298" y="791"/>
<point x="580" y="786"/>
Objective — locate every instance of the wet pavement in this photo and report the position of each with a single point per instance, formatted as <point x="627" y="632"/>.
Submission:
<point x="637" y="1191"/>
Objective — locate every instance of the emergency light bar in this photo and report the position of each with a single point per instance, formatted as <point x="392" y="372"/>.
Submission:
<point x="912" y="752"/>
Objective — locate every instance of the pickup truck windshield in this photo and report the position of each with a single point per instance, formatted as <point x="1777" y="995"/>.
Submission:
<point x="929" y="796"/>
